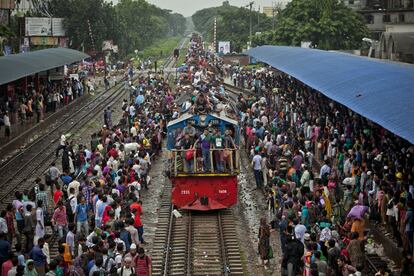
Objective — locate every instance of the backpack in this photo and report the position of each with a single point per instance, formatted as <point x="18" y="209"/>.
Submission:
<point x="106" y="264"/>
<point x="68" y="206"/>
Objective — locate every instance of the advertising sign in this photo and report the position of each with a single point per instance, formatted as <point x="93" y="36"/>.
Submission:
<point x="107" y="45"/>
<point x="44" y="40"/>
<point x="305" y="44"/>
<point x="224" y="47"/>
<point x="38" y="26"/>
<point x="7" y="4"/>
<point x="44" y="26"/>
<point x="57" y="27"/>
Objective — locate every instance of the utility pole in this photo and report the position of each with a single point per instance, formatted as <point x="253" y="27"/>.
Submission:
<point x="251" y="23"/>
<point x="273" y="15"/>
<point x="215" y="35"/>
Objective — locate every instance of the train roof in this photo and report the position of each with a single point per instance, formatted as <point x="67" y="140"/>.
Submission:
<point x="187" y="116"/>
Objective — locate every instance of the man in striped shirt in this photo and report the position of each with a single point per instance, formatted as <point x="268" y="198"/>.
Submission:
<point x="42" y="195"/>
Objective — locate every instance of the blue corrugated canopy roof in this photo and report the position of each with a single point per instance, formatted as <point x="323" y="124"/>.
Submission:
<point x="17" y="66"/>
<point x="379" y="90"/>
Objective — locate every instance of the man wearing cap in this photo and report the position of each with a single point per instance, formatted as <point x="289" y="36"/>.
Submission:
<point x="132" y="254"/>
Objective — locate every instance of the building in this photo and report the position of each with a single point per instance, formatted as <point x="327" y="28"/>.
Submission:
<point x="379" y="13"/>
<point x="397" y="43"/>
<point x="268" y="11"/>
<point x="391" y="23"/>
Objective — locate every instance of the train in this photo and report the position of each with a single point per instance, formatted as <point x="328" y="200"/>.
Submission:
<point x="203" y="141"/>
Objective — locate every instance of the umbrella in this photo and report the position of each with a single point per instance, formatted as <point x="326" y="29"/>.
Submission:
<point x="139" y="99"/>
<point x="358" y="211"/>
<point x="182" y="68"/>
<point x="349" y="181"/>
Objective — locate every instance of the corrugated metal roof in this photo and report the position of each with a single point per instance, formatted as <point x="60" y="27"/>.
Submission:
<point x="379" y="90"/>
<point x="17" y="66"/>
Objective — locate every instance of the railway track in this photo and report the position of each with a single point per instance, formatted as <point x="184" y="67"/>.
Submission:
<point x="37" y="157"/>
<point x="195" y="243"/>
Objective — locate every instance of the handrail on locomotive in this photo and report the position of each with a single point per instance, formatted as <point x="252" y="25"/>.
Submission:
<point x="229" y="156"/>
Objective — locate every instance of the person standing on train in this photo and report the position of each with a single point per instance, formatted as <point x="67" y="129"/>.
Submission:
<point x="218" y="142"/>
<point x="205" y="140"/>
<point x="190" y="130"/>
<point x="186" y="144"/>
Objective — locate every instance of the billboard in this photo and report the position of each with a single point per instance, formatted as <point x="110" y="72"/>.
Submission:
<point x="44" y="26"/>
<point x="44" y="40"/>
<point x="223" y="47"/>
<point x="57" y="27"/>
<point x="7" y="4"/>
<point x="107" y="45"/>
<point x="38" y="26"/>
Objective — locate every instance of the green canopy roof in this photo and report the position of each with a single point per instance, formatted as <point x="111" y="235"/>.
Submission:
<point x="17" y="66"/>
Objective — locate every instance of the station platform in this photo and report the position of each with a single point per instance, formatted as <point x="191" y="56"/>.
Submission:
<point x="26" y="132"/>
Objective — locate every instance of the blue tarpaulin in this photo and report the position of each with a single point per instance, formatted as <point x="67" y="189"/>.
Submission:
<point x="379" y="90"/>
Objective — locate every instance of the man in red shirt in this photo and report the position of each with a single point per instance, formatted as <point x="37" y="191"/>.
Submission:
<point x="143" y="264"/>
<point x="136" y="209"/>
<point x="113" y="152"/>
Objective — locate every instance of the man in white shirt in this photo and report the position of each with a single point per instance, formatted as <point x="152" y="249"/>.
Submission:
<point x="75" y="185"/>
<point x="62" y="144"/>
<point x="127" y="269"/>
<point x="257" y="169"/>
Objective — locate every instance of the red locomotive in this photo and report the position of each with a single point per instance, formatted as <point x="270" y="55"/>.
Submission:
<point x="203" y="141"/>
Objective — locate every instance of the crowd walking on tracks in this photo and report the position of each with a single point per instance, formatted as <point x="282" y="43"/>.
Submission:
<point x="92" y="202"/>
<point x="328" y="175"/>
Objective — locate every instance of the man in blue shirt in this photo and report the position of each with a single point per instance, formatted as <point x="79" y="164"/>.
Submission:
<point x="66" y="179"/>
<point x="5" y="248"/>
<point x="81" y="217"/>
<point x="39" y="257"/>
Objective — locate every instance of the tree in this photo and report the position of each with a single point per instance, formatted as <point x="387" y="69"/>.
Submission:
<point x="327" y="24"/>
<point x="233" y="24"/>
<point x="131" y="24"/>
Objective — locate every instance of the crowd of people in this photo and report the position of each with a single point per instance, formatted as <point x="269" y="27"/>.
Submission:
<point x="327" y="172"/>
<point x="92" y="202"/>
<point x="32" y="104"/>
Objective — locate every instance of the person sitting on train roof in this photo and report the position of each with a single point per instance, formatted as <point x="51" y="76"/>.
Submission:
<point x="202" y="104"/>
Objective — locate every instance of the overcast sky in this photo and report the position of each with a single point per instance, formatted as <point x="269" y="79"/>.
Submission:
<point x="189" y="7"/>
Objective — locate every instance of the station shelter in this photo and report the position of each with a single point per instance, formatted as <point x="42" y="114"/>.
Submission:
<point x="379" y="90"/>
<point x="22" y="73"/>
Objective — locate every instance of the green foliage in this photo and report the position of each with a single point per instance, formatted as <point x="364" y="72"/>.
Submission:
<point x="6" y="32"/>
<point x="161" y="49"/>
<point x="233" y="24"/>
<point x="328" y="24"/>
<point x="130" y="24"/>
